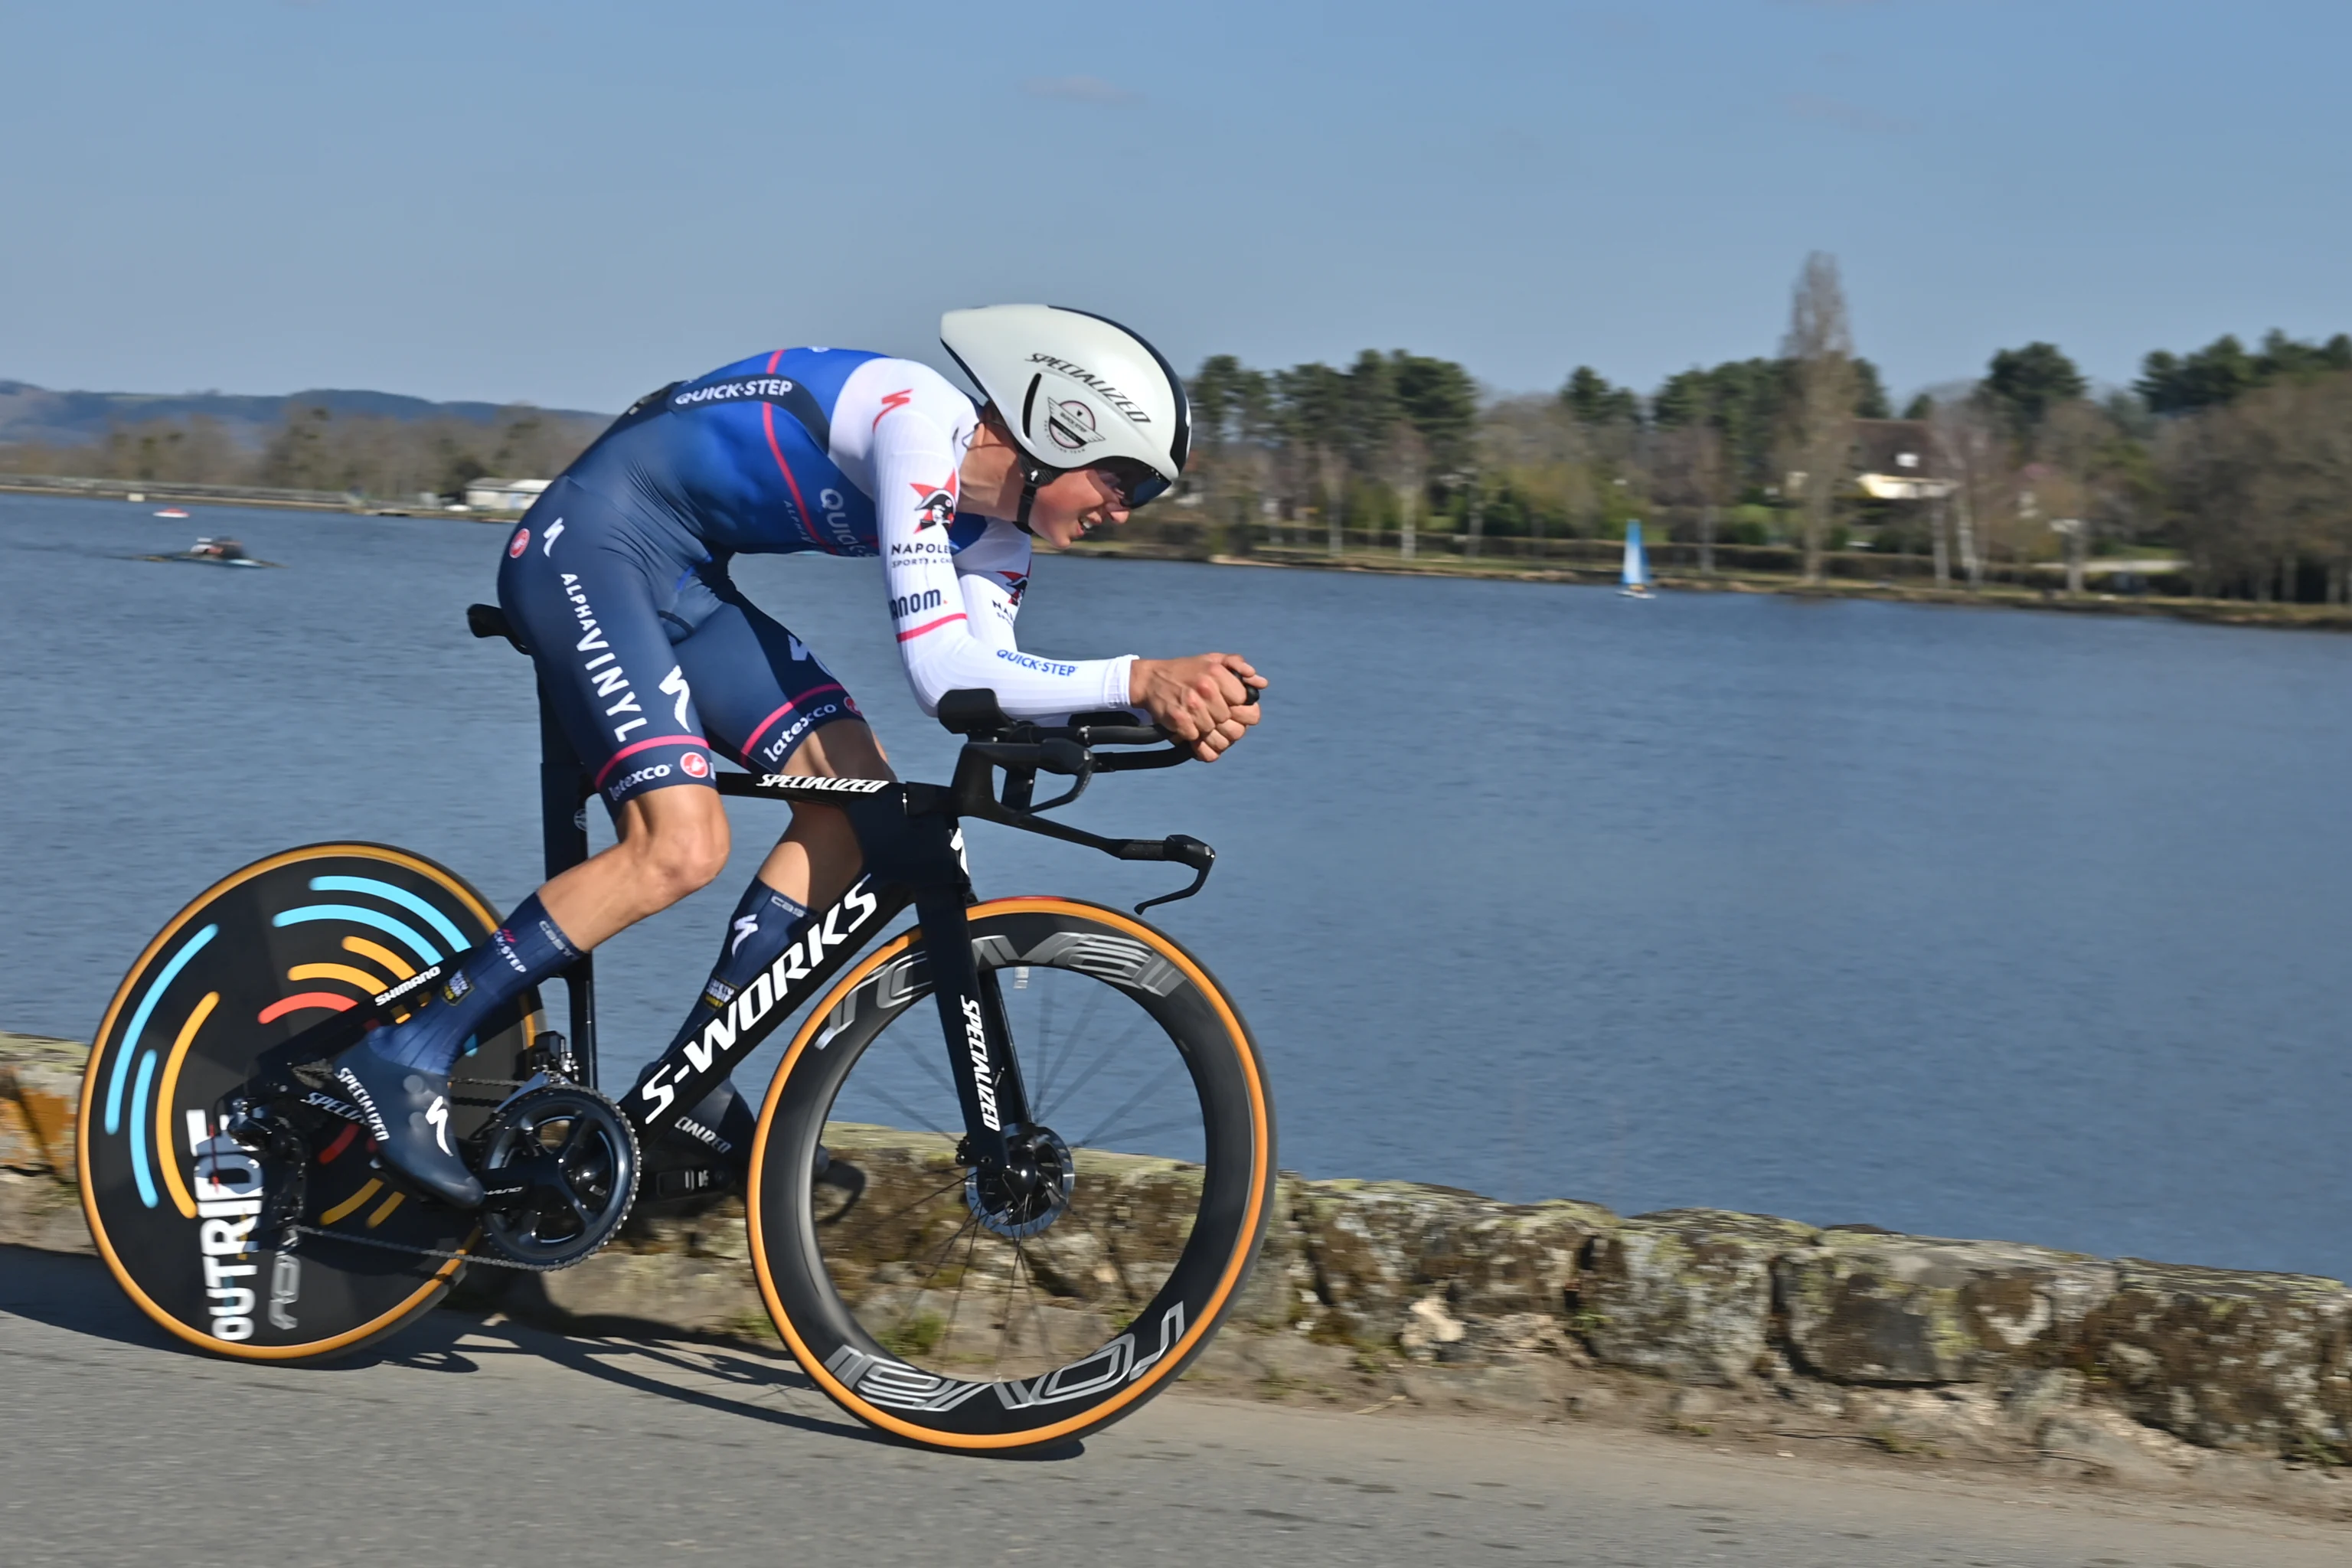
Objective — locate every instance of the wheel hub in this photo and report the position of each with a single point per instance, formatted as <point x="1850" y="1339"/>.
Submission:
<point x="1030" y="1191"/>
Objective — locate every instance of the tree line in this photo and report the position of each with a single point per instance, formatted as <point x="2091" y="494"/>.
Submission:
<point x="314" y="448"/>
<point x="2237" y="460"/>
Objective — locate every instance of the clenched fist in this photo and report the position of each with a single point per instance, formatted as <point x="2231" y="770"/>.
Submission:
<point x="1203" y="699"/>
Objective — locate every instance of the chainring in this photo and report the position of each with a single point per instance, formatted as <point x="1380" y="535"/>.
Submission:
<point x="560" y="1166"/>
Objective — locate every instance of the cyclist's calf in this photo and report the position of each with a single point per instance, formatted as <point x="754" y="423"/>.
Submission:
<point x="818" y="857"/>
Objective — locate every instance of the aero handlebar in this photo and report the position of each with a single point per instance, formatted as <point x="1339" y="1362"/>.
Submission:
<point x="1023" y="750"/>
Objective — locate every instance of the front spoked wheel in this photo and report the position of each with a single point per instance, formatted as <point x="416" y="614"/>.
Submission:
<point x="936" y="1302"/>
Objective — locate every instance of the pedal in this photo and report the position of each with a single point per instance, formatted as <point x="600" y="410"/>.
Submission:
<point x="239" y="1120"/>
<point x="688" y="1181"/>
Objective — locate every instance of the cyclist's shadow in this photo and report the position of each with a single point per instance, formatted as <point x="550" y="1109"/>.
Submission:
<point x="753" y="1374"/>
<point x="726" y="1377"/>
<point x="748" y="1379"/>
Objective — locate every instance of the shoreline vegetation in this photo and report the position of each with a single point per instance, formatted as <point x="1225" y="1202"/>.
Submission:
<point x="1674" y="568"/>
<point x="2217" y="487"/>
<point x="1848" y="575"/>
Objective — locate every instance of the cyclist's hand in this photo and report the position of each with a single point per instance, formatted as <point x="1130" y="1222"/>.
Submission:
<point x="1203" y="701"/>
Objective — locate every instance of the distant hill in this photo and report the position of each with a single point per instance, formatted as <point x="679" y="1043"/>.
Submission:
<point x="35" y="413"/>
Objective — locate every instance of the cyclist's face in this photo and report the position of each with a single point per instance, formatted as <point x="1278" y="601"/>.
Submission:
<point x="1074" y="504"/>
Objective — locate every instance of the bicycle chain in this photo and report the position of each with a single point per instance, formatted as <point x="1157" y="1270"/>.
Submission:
<point x="485" y="1260"/>
<point x="480" y="1258"/>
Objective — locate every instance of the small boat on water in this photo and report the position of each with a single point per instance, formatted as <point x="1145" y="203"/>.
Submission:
<point x="171" y="511"/>
<point x="1634" y="575"/>
<point x="213" y="553"/>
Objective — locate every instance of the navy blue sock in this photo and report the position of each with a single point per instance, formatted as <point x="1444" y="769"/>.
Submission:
<point x="765" y="923"/>
<point x="529" y="949"/>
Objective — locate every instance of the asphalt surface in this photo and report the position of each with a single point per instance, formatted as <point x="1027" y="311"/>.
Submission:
<point x="469" y="1440"/>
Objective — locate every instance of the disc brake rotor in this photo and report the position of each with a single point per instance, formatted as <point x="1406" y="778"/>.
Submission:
<point x="1030" y="1191"/>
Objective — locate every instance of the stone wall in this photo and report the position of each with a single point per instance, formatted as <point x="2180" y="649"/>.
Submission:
<point x="1419" y="1295"/>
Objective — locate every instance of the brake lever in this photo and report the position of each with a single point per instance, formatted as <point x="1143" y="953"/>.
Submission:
<point x="1182" y="847"/>
<point x="1055" y="756"/>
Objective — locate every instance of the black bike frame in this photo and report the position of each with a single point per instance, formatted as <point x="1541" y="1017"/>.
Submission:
<point x="912" y="836"/>
<point x="912" y="845"/>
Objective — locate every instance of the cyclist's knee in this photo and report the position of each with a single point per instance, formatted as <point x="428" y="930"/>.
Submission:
<point x="844" y="748"/>
<point x="679" y="841"/>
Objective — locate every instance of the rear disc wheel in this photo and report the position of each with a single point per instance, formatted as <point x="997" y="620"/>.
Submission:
<point x="173" y="1202"/>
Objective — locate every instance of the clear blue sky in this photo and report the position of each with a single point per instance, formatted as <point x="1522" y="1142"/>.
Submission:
<point x="571" y="202"/>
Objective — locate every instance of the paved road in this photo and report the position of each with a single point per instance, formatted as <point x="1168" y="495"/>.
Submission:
<point x="469" y="1440"/>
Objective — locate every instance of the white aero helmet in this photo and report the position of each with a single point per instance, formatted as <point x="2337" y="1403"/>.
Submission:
<point x="1077" y="391"/>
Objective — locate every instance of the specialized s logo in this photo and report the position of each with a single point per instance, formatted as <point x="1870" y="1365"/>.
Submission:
<point x="1017" y="584"/>
<point x="938" y="507"/>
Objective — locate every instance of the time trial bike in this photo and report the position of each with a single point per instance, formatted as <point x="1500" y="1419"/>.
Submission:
<point x="995" y="1224"/>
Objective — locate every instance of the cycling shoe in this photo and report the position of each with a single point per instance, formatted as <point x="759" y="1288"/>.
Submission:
<point x="408" y="1112"/>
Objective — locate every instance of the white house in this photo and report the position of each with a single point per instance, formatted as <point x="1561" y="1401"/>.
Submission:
<point x="504" y="495"/>
<point x="1895" y="461"/>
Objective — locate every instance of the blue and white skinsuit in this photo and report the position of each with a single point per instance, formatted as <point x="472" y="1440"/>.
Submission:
<point x="617" y="579"/>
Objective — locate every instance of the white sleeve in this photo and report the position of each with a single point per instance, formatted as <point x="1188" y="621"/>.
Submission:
<point x="955" y="629"/>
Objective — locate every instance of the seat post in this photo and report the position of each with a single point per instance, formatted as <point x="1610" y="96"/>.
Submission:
<point x="563" y="791"/>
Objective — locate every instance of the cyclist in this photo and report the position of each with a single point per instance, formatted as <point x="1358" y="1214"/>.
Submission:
<point x="616" y="580"/>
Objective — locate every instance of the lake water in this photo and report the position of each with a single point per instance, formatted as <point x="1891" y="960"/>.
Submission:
<point x="1964" y="922"/>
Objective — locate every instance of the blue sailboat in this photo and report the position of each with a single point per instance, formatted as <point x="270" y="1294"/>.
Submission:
<point x="1635" y="574"/>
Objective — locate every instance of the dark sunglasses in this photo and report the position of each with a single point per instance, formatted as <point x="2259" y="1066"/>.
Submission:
<point x="1135" y="483"/>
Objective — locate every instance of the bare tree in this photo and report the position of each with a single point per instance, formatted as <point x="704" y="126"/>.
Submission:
<point x="1405" y="460"/>
<point x="1971" y="452"/>
<point x="1331" y="468"/>
<point x="1688" y="472"/>
<point x="2298" y="467"/>
<point x="2324" y="453"/>
<point x="1473" y="520"/>
<point x="1819" y="351"/>
<point x="2082" y="443"/>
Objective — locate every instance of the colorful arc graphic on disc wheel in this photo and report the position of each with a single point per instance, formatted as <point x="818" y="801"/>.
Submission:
<point x="265" y="953"/>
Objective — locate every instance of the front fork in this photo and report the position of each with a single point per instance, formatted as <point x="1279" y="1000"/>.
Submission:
<point x="916" y="843"/>
<point x="979" y="1039"/>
